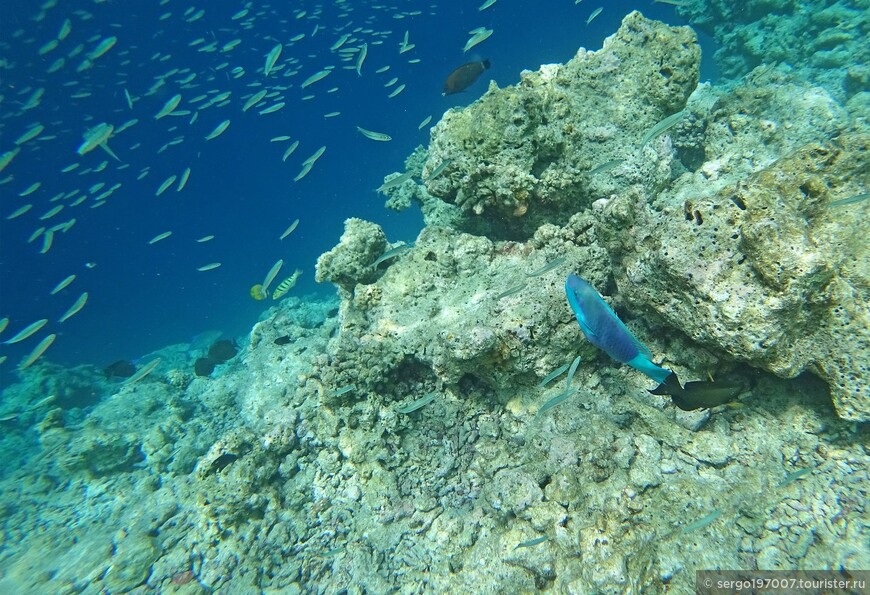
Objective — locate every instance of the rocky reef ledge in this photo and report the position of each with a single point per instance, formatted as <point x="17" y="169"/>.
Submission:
<point x="716" y="230"/>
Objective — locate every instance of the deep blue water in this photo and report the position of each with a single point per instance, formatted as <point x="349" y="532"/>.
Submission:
<point x="143" y="297"/>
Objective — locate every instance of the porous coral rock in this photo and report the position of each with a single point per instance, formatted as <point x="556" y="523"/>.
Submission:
<point x="426" y="324"/>
<point x="350" y="262"/>
<point x="135" y="551"/>
<point x="521" y="156"/>
<point x="101" y="453"/>
<point x="513" y="491"/>
<point x="826" y="38"/>
<point x="763" y="270"/>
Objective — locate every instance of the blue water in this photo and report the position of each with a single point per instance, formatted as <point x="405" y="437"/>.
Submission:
<point x="143" y="297"/>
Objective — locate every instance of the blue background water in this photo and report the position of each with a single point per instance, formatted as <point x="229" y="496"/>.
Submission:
<point x="143" y="297"/>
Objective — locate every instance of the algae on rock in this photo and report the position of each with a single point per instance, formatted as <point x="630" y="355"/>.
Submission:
<point x="522" y="156"/>
<point x="751" y="261"/>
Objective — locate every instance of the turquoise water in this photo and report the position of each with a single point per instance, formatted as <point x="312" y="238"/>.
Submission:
<point x="143" y="296"/>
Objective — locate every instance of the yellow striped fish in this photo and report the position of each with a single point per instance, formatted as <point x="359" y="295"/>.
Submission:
<point x="286" y="285"/>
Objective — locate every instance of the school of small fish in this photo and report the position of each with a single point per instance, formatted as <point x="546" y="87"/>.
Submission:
<point x="125" y="104"/>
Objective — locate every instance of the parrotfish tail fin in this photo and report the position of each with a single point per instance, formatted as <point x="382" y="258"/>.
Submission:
<point x="670" y="386"/>
<point x="642" y="363"/>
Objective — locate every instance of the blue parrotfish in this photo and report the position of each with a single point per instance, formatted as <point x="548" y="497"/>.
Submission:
<point x="607" y="332"/>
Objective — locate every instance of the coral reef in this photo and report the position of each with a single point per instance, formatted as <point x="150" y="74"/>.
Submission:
<point x="523" y="156"/>
<point x="397" y="439"/>
<point x="826" y="38"/>
<point x="763" y="270"/>
<point x="251" y="481"/>
<point x="729" y="237"/>
<point x="743" y="254"/>
<point x="351" y="261"/>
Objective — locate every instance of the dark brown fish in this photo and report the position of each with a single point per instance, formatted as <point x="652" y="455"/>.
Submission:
<point x="220" y="463"/>
<point x="224" y="460"/>
<point x="703" y="395"/>
<point x="698" y="394"/>
<point x="120" y="369"/>
<point x="464" y="76"/>
<point x="222" y="351"/>
<point x="203" y="366"/>
<point x="282" y="340"/>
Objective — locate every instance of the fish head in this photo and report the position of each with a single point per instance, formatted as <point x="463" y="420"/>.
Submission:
<point x="578" y="292"/>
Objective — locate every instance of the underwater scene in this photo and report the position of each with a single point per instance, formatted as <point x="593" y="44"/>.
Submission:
<point x="433" y="296"/>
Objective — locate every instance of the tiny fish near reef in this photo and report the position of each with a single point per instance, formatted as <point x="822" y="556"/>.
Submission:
<point x="555" y="263"/>
<point x="464" y="76"/>
<point x="392" y="253"/>
<point x="557" y="400"/>
<point x="532" y="542"/>
<point x="553" y="375"/>
<point x="418" y="404"/>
